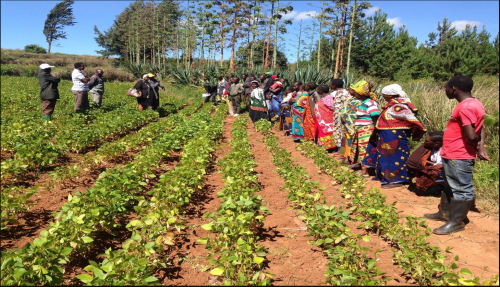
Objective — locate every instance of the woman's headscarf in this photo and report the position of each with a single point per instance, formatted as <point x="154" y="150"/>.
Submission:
<point x="363" y="89"/>
<point x="395" y="89"/>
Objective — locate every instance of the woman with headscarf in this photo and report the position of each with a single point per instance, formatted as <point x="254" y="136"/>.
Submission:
<point x="389" y="147"/>
<point x="367" y="114"/>
<point x="298" y="112"/>
<point x="324" y="118"/>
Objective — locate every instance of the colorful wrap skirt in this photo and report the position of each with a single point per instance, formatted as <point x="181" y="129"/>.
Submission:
<point x="360" y="143"/>
<point x="389" y="157"/>
<point x="286" y="119"/>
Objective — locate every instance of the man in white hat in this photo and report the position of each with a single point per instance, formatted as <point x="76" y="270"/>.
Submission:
<point x="49" y="94"/>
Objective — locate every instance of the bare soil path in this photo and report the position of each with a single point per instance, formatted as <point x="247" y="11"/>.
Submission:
<point x="291" y="258"/>
<point x="477" y="246"/>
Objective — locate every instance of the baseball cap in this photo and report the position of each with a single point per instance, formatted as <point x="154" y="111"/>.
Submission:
<point x="269" y="73"/>
<point x="151" y="75"/>
<point x="45" y="66"/>
<point x="274" y="77"/>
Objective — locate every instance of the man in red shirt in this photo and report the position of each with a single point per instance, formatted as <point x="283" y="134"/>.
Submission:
<point x="463" y="142"/>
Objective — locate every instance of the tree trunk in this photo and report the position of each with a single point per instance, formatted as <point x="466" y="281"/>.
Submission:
<point x="50" y="45"/>
<point x="275" y="52"/>
<point x="268" y="38"/>
<point x="338" y="49"/>
<point x="222" y="43"/>
<point x="298" y="45"/>
<point x="233" y="39"/>
<point x="319" y="39"/>
<point x="350" y="37"/>
<point x="341" y="67"/>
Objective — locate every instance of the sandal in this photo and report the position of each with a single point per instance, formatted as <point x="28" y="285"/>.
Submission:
<point x="355" y="166"/>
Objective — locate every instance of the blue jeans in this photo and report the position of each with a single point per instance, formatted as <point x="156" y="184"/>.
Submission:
<point x="457" y="175"/>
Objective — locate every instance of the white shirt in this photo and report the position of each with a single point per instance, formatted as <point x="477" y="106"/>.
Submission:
<point x="436" y="157"/>
<point x="78" y="85"/>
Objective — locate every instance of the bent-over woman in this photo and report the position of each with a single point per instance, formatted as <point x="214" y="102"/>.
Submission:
<point x="286" y="119"/>
<point x="298" y="112"/>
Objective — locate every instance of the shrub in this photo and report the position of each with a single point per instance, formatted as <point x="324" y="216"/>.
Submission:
<point x="34" y="48"/>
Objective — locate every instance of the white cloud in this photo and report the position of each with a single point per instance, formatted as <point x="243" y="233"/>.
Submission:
<point x="304" y="15"/>
<point x="395" y="21"/>
<point x="290" y="15"/>
<point x="460" y="25"/>
<point x="371" y="11"/>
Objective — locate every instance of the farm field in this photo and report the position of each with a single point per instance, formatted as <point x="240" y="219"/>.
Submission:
<point x="191" y="196"/>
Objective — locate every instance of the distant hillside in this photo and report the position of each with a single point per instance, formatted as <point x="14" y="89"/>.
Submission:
<point x="20" y="63"/>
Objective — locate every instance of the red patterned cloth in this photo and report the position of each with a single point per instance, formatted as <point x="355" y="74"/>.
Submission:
<point x="400" y="114"/>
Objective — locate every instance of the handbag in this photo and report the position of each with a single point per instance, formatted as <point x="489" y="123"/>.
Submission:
<point x="133" y="93"/>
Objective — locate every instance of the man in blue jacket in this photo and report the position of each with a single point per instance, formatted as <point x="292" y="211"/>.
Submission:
<point x="49" y="94"/>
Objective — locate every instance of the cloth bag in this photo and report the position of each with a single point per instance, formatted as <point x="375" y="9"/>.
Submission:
<point x="133" y="93"/>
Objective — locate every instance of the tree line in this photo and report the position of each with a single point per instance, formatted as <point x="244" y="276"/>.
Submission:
<point x="340" y="38"/>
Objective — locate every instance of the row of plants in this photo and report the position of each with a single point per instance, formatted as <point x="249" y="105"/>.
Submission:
<point x="234" y="253"/>
<point x="14" y="200"/>
<point x="348" y="262"/>
<point x="153" y="234"/>
<point x="126" y="144"/>
<point x="420" y="261"/>
<point x="78" y="220"/>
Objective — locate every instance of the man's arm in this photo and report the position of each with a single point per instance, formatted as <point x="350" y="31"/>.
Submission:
<point x="482" y="152"/>
<point x="470" y="135"/>
<point x="92" y="82"/>
<point x="51" y="78"/>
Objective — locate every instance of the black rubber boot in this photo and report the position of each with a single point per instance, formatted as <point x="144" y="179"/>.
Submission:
<point x="444" y="209"/>
<point x="458" y="212"/>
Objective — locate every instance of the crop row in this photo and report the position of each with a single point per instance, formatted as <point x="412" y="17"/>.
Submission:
<point x="42" y="145"/>
<point x="349" y="263"/>
<point x="152" y="234"/>
<point x="16" y="201"/>
<point x="84" y="214"/>
<point x="234" y="252"/>
<point x="124" y="145"/>
<point x="420" y="261"/>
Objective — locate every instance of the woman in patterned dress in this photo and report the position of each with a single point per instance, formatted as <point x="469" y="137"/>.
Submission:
<point x="341" y="98"/>
<point x="389" y="148"/>
<point x="367" y="114"/>
<point x="298" y="112"/>
<point x="309" y="122"/>
<point x="324" y="118"/>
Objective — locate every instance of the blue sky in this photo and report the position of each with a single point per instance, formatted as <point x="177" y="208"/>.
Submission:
<point x="22" y="21"/>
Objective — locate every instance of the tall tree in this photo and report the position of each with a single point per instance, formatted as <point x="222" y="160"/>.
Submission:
<point x="59" y="17"/>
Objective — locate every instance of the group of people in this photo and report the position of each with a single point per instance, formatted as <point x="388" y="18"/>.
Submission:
<point x="263" y="96"/>
<point x="148" y="89"/>
<point x="350" y="124"/>
<point x="347" y="122"/>
<point x="82" y="85"/>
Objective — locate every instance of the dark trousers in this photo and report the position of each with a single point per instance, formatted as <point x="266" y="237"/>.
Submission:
<point x="81" y="100"/>
<point x="48" y="106"/>
<point x="211" y="97"/>
<point x="236" y="102"/>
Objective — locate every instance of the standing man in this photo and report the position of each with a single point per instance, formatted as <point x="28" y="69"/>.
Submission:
<point x="463" y="141"/>
<point x="80" y="87"/>
<point x="246" y="84"/>
<point x="49" y="94"/>
<point x="235" y="95"/>
<point x="268" y="83"/>
<point x="96" y="86"/>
